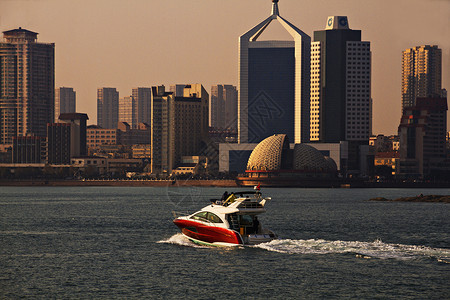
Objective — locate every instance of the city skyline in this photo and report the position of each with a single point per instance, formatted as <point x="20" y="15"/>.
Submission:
<point x="168" y="42"/>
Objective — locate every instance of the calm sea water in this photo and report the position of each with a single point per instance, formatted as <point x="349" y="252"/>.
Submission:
<point x="108" y="242"/>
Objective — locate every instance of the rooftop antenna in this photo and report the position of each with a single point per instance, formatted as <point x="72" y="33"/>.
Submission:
<point x="275" y="11"/>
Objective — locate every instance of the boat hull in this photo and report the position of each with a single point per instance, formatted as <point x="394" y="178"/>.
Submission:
<point x="208" y="235"/>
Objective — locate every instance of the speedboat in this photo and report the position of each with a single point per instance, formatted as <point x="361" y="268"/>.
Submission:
<point x="231" y="221"/>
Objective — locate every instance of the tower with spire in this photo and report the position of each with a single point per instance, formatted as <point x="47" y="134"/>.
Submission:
<point x="274" y="83"/>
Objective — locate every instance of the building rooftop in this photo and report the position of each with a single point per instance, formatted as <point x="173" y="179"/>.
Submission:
<point x="20" y="35"/>
<point x="18" y="31"/>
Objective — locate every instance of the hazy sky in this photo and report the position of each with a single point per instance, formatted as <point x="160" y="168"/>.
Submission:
<point x="131" y="43"/>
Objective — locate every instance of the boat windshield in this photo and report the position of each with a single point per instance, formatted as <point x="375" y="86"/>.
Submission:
<point x="207" y="217"/>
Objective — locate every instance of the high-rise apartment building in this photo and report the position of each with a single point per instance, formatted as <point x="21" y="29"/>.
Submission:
<point x="421" y="74"/>
<point x="143" y="98"/>
<point x="65" y="101"/>
<point x="27" y="85"/>
<point x="274" y="83"/>
<point x="107" y="107"/>
<point x="223" y="107"/>
<point x="178" y="126"/>
<point x="341" y="105"/>
<point x="128" y="111"/>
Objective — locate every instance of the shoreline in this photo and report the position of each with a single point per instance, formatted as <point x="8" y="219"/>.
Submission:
<point x="420" y="198"/>
<point x="210" y="183"/>
<point x="124" y="183"/>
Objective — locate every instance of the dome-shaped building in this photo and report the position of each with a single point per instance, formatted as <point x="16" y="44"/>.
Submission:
<point x="274" y="163"/>
<point x="267" y="154"/>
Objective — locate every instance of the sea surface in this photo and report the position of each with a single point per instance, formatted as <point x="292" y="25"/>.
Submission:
<point x="117" y="242"/>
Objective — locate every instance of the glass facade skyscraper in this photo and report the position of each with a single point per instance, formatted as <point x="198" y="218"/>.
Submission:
<point x="274" y="84"/>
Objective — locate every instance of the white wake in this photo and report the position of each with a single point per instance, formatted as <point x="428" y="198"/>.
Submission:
<point x="376" y="249"/>
<point x="179" y="239"/>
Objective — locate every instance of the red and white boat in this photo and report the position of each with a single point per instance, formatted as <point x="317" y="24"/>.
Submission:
<point x="229" y="222"/>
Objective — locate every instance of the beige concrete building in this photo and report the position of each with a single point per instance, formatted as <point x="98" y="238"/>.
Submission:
<point x="178" y="125"/>
<point x="27" y="85"/>
<point x="97" y="136"/>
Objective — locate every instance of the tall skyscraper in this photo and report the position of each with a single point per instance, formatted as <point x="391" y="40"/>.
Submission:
<point x="421" y="74"/>
<point x="65" y="101"/>
<point x="128" y="111"/>
<point x="107" y="107"/>
<point x="223" y="107"/>
<point x="341" y="102"/>
<point x="143" y="98"/>
<point x="27" y="85"/>
<point x="274" y="83"/>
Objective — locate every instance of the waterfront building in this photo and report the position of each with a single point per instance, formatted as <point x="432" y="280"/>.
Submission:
<point x="233" y="158"/>
<point x="340" y="84"/>
<point x="97" y="136"/>
<point x="341" y="103"/>
<point x="421" y="74"/>
<point x="274" y="163"/>
<point x="58" y="143"/>
<point x="122" y="135"/>
<point x="93" y="164"/>
<point x="274" y="83"/>
<point x="382" y="143"/>
<point x="141" y="151"/>
<point x="107" y="107"/>
<point x="192" y="165"/>
<point x="388" y="158"/>
<point x="65" y="101"/>
<point x="28" y="150"/>
<point x="78" y="123"/>
<point x="27" y="85"/>
<point x="123" y="165"/>
<point x="179" y="125"/>
<point x="66" y="138"/>
<point x="422" y="132"/>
